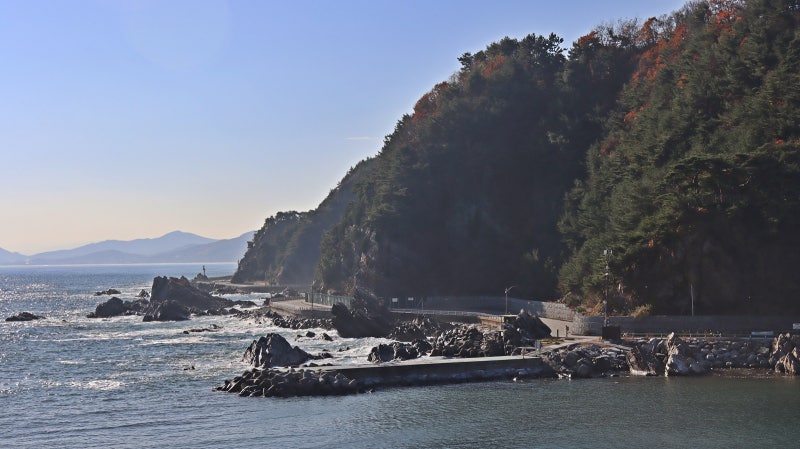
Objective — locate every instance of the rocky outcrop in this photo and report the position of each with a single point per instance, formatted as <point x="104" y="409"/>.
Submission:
<point x="168" y="310"/>
<point x="469" y="341"/>
<point x="785" y="354"/>
<point x="585" y="361"/>
<point x="420" y="327"/>
<point x="24" y="316"/>
<point x="681" y="359"/>
<point x="212" y="328"/>
<point x="185" y="294"/>
<point x="112" y="307"/>
<point x="264" y="315"/>
<point x="273" y="350"/>
<point x="674" y="356"/>
<point x="643" y="361"/>
<point x="366" y="317"/>
<point x="171" y="299"/>
<point x="110" y="291"/>
<point x="399" y="351"/>
<point x="279" y="383"/>
<point x="530" y="327"/>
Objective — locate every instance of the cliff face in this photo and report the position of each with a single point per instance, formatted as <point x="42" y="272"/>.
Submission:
<point x="286" y="249"/>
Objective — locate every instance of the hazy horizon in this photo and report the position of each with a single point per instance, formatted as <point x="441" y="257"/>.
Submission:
<point x="156" y="237"/>
<point x="125" y="120"/>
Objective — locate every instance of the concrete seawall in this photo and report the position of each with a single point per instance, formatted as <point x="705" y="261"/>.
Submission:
<point x="437" y="370"/>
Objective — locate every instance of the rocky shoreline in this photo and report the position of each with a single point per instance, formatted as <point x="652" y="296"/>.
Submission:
<point x="279" y="370"/>
<point x="695" y="356"/>
<point x="671" y="356"/>
<point x="304" y="377"/>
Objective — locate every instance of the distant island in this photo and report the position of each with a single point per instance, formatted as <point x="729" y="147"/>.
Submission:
<point x="174" y="247"/>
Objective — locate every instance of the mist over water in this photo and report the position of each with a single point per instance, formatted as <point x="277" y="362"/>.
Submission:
<point x="70" y="381"/>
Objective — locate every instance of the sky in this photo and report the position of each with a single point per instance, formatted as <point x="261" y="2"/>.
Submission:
<point x="131" y="119"/>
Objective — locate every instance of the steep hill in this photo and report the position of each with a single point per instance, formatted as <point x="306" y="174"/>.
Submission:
<point x="286" y="249"/>
<point x="695" y="186"/>
<point x="671" y="142"/>
<point x="467" y="191"/>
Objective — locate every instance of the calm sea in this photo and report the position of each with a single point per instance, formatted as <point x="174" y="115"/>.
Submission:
<point x="70" y="381"/>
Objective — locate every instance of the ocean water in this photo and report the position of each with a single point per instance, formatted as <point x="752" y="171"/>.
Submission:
<point x="70" y="381"/>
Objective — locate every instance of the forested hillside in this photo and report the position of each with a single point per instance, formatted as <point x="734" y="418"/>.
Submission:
<point x="695" y="185"/>
<point x="671" y="141"/>
<point x="286" y="249"/>
<point x="467" y="191"/>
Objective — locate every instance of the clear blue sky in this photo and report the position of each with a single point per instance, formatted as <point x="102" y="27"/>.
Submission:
<point x="131" y="119"/>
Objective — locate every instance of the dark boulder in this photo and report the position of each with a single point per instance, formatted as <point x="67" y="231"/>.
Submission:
<point x="213" y="328"/>
<point x="785" y="354"/>
<point x="24" y="316"/>
<point x="468" y="341"/>
<point x="110" y="291"/>
<point x="418" y="328"/>
<point x="585" y="361"/>
<point x="642" y="360"/>
<point x="171" y="299"/>
<point x="113" y="307"/>
<point x="531" y="327"/>
<point x="366" y="317"/>
<point x="680" y="358"/>
<point x="399" y="351"/>
<point x="273" y="350"/>
<point x="280" y="383"/>
<point x="167" y="311"/>
<point x="184" y="293"/>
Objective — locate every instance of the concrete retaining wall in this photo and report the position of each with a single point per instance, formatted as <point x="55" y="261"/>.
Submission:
<point x="592" y="325"/>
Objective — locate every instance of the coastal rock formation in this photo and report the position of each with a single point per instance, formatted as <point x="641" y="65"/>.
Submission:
<point x="113" y="307"/>
<point x="676" y="356"/>
<point x="264" y="314"/>
<point x="273" y="350"/>
<point x="399" y="351"/>
<point x="366" y="317"/>
<point x="585" y="361"/>
<point x="469" y="341"/>
<point x="184" y="293"/>
<point x="418" y="328"/>
<point x="110" y="291"/>
<point x="168" y="310"/>
<point x="530" y="327"/>
<point x="212" y="328"/>
<point x="171" y="299"/>
<point x="643" y="360"/>
<point x="24" y="316"/>
<point x="681" y="360"/>
<point x="279" y="383"/>
<point x="785" y="355"/>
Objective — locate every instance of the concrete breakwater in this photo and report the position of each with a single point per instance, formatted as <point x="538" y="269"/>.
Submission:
<point x="671" y="356"/>
<point x="340" y="380"/>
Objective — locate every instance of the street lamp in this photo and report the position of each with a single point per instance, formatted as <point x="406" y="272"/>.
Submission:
<point x="508" y="289"/>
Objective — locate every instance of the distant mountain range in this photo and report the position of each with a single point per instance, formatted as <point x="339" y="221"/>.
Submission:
<point x="175" y="247"/>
